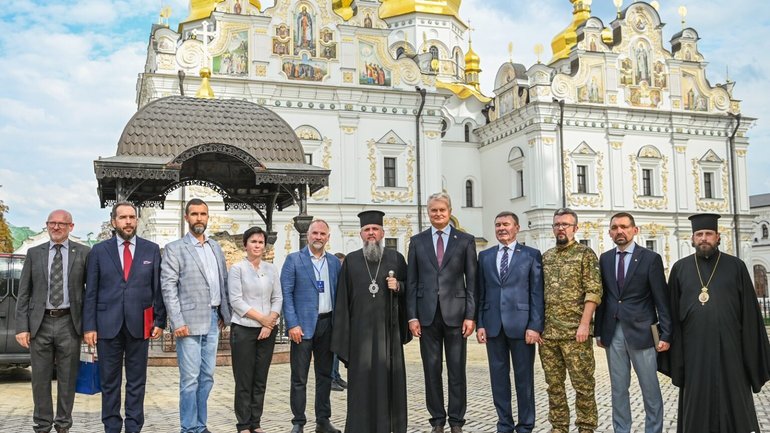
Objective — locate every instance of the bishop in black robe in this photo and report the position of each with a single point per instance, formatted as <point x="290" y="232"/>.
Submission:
<point x="367" y="336"/>
<point x="720" y="351"/>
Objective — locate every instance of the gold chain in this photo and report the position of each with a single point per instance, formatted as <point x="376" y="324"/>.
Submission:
<point x="704" y="295"/>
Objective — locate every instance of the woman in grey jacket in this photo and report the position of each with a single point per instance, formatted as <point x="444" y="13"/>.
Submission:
<point x="256" y="300"/>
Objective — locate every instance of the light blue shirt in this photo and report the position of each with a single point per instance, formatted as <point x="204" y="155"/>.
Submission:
<point x="626" y="258"/>
<point x="500" y="252"/>
<point x="444" y="236"/>
<point x="131" y="247"/>
<point x="209" y="260"/>
<point x="321" y="273"/>
<point x="65" y="259"/>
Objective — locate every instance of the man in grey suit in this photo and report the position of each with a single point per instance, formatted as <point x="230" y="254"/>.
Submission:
<point x="194" y="285"/>
<point x="48" y="320"/>
<point x="634" y="297"/>
<point x="441" y="308"/>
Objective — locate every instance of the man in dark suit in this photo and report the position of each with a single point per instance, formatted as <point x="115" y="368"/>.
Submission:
<point x="48" y="320"/>
<point x="309" y="285"/>
<point x="441" y="308"/>
<point x="123" y="307"/>
<point x="634" y="297"/>
<point x="511" y="320"/>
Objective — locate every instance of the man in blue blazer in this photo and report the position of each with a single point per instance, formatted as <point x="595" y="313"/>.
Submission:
<point x="510" y="320"/>
<point x="122" y="294"/>
<point x="635" y="296"/>
<point x="441" y="309"/>
<point x="309" y="284"/>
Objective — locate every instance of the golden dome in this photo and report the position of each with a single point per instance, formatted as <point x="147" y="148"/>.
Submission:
<point x="564" y="41"/>
<point x="472" y="60"/>
<point x="201" y="9"/>
<point x="394" y="8"/>
<point x="343" y="8"/>
<point x="607" y="36"/>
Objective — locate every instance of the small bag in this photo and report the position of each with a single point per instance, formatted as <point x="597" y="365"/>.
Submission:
<point x="88" y="373"/>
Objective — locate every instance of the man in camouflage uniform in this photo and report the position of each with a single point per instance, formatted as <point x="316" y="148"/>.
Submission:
<point x="573" y="289"/>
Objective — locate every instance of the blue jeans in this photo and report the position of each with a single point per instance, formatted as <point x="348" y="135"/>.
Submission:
<point x="336" y="369"/>
<point x="197" y="356"/>
<point x="620" y="357"/>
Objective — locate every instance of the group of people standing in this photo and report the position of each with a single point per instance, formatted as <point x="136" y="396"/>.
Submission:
<point x="703" y="327"/>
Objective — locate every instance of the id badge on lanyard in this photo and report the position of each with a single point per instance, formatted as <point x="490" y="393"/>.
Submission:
<point x="319" y="284"/>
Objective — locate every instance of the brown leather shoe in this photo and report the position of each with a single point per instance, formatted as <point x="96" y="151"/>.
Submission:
<point x="456" y="429"/>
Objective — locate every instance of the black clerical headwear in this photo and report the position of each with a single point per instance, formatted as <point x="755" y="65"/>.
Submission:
<point x="705" y="221"/>
<point x="371" y="217"/>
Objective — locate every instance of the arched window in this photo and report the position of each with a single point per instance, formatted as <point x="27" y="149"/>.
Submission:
<point x="433" y="52"/>
<point x="444" y="126"/>
<point x="467" y="132"/>
<point x="468" y="193"/>
<point x="764" y="231"/>
<point x="400" y="52"/>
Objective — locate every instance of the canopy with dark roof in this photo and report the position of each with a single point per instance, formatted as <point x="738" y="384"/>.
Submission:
<point x="244" y="151"/>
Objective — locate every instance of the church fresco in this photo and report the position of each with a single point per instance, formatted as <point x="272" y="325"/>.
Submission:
<point x="281" y="40"/>
<point x="593" y="90"/>
<point x="370" y="70"/>
<point x="328" y="47"/>
<point x="304" y="69"/>
<point x="235" y="60"/>
<point x="304" y="31"/>
<point x="644" y="76"/>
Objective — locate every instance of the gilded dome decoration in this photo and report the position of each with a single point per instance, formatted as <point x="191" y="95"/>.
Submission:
<point x="202" y="9"/>
<point x="472" y="67"/>
<point x="394" y="8"/>
<point x="343" y="8"/>
<point x="564" y="41"/>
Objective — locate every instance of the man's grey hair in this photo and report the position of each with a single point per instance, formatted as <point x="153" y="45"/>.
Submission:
<point x="373" y="251"/>
<point x="441" y="196"/>
<point x="566" y="211"/>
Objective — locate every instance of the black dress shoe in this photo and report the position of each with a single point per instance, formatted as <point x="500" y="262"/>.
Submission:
<point x="342" y="383"/>
<point x="298" y="429"/>
<point x="326" y="427"/>
<point x="337" y="387"/>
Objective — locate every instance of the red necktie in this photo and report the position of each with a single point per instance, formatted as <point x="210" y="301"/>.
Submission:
<point x="440" y="247"/>
<point x="127" y="259"/>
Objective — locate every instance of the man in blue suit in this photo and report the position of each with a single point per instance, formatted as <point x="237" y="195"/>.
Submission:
<point x="123" y="307"/>
<point x="309" y="284"/>
<point x="635" y="296"/>
<point x="511" y="320"/>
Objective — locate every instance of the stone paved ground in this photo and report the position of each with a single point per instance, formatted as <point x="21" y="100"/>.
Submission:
<point x="163" y="417"/>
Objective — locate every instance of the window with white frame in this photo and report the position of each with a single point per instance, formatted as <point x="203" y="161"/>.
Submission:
<point x="468" y="193"/>
<point x="516" y="162"/>
<point x="649" y="168"/>
<point x="651" y="245"/>
<point x="710" y="168"/>
<point x="708" y="184"/>
<point x="389" y="173"/>
<point x="582" y="178"/>
<point x="583" y="162"/>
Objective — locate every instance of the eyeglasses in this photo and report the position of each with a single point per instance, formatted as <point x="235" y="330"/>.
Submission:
<point x="560" y="226"/>
<point x="52" y="224"/>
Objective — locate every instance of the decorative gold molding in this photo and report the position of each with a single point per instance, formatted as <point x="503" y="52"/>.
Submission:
<point x="432" y="134"/>
<point x="589" y="227"/>
<point x="657" y="232"/>
<point x="349" y="129"/>
<point x="289" y="228"/>
<point x="403" y="195"/>
<point x="326" y="158"/>
<point x="589" y="200"/>
<point x="710" y="204"/>
<point x="260" y="31"/>
<point x="347" y="77"/>
<point x="740" y="152"/>
<point x="680" y="149"/>
<point x="548" y="141"/>
<point x="260" y="71"/>
<point x="616" y="144"/>
<point x="644" y="202"/>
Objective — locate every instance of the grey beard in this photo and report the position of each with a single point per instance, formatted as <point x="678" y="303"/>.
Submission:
<point x="373" y="251"/>
<point x="198" y="229"/>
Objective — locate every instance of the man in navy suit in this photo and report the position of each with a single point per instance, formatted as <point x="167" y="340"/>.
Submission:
<point x="635" y="296"/>
<point x="441" y="308"/>
<point x="123" y="307"/>
<point x="309" y="284"/>
<point x="511" y="320"/>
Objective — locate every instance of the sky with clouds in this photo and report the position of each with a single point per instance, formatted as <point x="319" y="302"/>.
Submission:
<point x="69" y="71"/>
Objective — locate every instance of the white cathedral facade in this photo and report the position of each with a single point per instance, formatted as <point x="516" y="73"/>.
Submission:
<point x="385" y="94"/>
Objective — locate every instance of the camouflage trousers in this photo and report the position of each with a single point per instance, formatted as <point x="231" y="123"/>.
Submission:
<point x="558" y="357"/>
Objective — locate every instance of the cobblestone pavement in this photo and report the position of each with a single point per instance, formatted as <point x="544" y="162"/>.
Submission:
<point x="162" y="416"/>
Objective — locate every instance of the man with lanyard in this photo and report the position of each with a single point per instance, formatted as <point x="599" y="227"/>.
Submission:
<point x="308" y="282"/>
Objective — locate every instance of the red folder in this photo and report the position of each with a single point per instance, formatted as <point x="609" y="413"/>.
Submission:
<point x="149" y="314"/>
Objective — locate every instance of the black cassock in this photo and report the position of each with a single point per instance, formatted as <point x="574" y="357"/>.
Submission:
<point x="720" y="351"/>
<point x="367" y="335"/>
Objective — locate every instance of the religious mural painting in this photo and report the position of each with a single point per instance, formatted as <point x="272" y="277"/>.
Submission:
<point x="328" y="46"/>
<point x="235" y="60"/>
<point x="368" y="21"/>
<point x="693" y="99"/>
<point x="644" y="76"/>
<point x="304" y="30"/>
<point x="281" y="40"/>
<point x="304" y="69"/>
<point x="593" y="90"/>
<point x="370" y="70"/>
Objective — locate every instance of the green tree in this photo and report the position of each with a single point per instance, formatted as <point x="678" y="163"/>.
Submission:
<point x="6" y="240"/>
